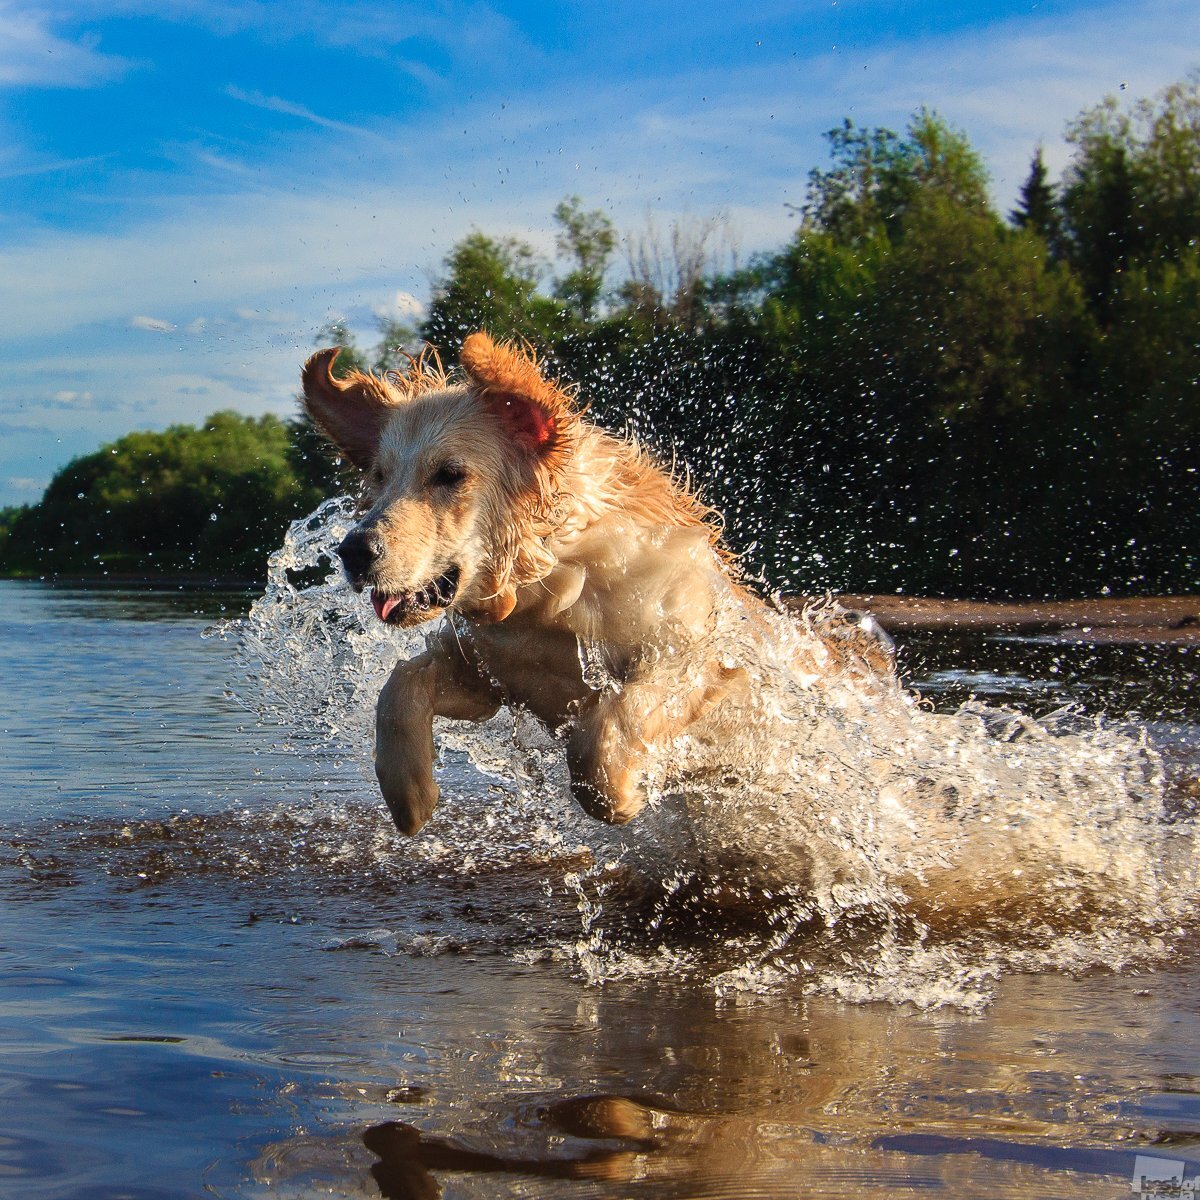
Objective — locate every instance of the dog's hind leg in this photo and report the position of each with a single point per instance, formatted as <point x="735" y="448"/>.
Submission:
<point x="608" y="749"/>
<point x="442" y="682"/>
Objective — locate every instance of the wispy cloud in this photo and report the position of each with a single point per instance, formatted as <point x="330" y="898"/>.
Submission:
<point x="471" y="28"/>
<point x="151" y="324"/>
<point x="280" y="318"/>
<point x="32" y="56"/>
<point x="49" y="167"/>
<point x="402" y="306"/>
<point x="26" y="483"/>
<point x="277" y="104"/>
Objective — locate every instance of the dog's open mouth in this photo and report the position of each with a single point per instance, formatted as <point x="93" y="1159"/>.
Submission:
<point x="402" y="605"/>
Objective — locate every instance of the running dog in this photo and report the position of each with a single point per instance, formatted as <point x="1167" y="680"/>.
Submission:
<point x="578" y="578"/>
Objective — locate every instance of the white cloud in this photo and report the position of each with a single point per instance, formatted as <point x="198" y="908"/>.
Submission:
<point x="43" y="166"/>
<point x="26" y="483"/>
<point x="1021" y="81"/>
<point x="70" y="399"/>
<point x="268" y="316"/>
<point x="278" y="105"/>
<point x="32" y="56"/>
<point x="151" y="324"/>
<point x="402" y="306"/>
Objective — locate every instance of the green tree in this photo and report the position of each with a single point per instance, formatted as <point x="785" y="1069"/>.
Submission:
<point x="877" y="176"/>
<point x="912" y="342"/>
<point x="586" y="240"/>
<point x="397" y="341"/>
<point x="1131" y="194"/>
<point x="213" y="500"/>
<point x="337" y="333"/>
<point x="312" y="460"/>
<point x="491" y="284"/>
<point x="1037" y="208"/>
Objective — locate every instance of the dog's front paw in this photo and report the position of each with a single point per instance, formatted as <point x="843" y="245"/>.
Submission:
<point x="613" y="795"/>
<point x="601" y="804"/>
<point x="410" y="798"/>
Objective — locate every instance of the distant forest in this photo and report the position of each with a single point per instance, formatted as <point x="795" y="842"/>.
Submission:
<point x="916" y="393"/>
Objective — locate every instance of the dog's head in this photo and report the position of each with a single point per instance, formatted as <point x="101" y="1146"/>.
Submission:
<point x="459" y="476"/>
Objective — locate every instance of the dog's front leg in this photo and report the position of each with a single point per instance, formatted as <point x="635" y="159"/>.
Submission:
<point x="442" y="682"/>
<point x="614" y="737"/>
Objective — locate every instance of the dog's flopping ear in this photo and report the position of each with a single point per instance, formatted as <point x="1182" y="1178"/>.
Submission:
<point x="536" y="412"/>
<point x="351" y="412"/>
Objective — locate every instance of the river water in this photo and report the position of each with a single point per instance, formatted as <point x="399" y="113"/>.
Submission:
<point x="223" y="975"/>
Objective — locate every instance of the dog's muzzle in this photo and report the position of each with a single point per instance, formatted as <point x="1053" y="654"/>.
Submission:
<point x="398" y="607"/>
<point x="359" y="551"/>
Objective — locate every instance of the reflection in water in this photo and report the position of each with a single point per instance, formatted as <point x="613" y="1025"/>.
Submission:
<point x="407" y="1157"/>
<point x="1054" y="1091"/>
<point x="664" y="1152"/>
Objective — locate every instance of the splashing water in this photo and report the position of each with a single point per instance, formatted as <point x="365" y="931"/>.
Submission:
<point x="842" y="838"/>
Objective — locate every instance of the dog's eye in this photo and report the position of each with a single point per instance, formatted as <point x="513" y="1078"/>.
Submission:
<point x="448" y="475"/>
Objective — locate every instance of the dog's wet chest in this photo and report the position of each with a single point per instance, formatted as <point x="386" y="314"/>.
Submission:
<point x="544" y="670"/>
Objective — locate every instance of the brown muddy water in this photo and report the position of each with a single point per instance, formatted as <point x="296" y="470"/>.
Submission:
<point x="223" y="975"/>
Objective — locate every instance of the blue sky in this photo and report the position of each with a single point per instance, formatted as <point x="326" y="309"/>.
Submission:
<point x="190" y="189"/>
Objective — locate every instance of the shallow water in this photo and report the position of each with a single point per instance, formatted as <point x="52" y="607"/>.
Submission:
<point x="223" y="975"/>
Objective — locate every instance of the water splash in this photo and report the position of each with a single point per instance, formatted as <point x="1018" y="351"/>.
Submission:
<point x="839" y="837"/>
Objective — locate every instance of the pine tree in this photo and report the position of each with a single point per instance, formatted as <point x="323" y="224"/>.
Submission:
<point x="1038" y="209"/>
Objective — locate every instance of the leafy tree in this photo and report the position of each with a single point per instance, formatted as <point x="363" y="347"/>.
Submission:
<point x="877" y="176"/>
<point x="911" y="394"/>
<point x="1131" y="201"/>
<point x="1132" y="192"/>
<point x="312" y="460"/>
<point x="9" y="517"/>
<point x="917" y="340"/>
<point x="587" y="241"/>
<point x="337" y="333"/>
<point x="491" y="284"/>
<point x="212" y="500"/>
<point x="397" y="341"/>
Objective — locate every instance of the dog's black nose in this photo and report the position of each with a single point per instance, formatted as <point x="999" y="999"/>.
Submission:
<point x="360" y="550"/>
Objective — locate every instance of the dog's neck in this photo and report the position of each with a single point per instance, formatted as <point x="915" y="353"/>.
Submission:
<point x="610" y="511"/>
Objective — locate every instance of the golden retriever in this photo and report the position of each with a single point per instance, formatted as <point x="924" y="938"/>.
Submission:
<point x="579" y="579"/>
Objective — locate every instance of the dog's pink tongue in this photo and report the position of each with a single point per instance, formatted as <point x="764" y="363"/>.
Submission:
<point x="383" y="604"/>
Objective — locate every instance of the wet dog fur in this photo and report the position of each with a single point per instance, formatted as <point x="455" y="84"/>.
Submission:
<point x="555" y="550"/>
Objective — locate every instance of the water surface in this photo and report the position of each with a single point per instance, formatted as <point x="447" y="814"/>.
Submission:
<point x="223" y="975"/>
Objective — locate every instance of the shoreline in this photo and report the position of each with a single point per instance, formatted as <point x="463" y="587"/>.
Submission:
<point x="1105" y="619"/>
<point x="156" y="583"/>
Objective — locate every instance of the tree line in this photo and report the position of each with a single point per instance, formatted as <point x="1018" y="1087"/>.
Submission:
<point x="915" y="393"/>
<point x="211" y="501"/>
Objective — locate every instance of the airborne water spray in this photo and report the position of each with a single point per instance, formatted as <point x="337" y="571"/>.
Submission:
<point x="842" y="837"/>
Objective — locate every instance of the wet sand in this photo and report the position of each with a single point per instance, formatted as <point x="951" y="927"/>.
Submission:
<point x="1158" y="619"/>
